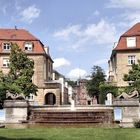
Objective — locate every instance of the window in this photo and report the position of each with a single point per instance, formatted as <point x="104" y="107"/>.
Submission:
<point x="131" y="41"/>
<point x="6" y="46"/>
<point x="6" y="62"/>
<point x="28" y="46"/>
<point x="131" y="60"/>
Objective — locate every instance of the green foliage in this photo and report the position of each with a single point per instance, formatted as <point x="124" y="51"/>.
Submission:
<point x="97" y="76"/>
<point x="3" y="89"/>
<point x="72" y="83"/>
<point x="134" y="73"/>
<point x="2" y="96"/>
<point x="19" y="78"/>
<point x="137" y="124"/>
<point x="21" y="72"/>
<point x="133" y="77"/>
<point x="104" y="89"/>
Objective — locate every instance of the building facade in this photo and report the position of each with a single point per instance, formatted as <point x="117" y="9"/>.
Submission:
<point x="82" y="97"/>
<point x="125" y="53"/>
<point x="59" y="78"/>
<point x="49" y="93"/>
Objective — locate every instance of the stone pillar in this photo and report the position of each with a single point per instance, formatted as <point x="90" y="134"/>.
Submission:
<point x="109" y="99"/>
<point x="16" y="111"/>
<point x="73" y="105"/>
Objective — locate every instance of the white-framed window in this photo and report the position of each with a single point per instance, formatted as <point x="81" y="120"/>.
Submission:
<point x="6" y="62"/>
<point x="131" y="59"/>
<point x="6" y="46"/>
<point x="28" y="46"/>
<point x="131" y="41"/>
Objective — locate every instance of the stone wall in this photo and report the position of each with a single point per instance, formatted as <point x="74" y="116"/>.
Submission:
<point x="16" y="111"/>
<point x="39" y="70"/>
<point x="130" y="111"/>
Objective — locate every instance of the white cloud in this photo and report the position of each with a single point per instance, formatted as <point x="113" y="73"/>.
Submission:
<point x="65" y="33"/>
<point x="100" y="62"/>
<point x="77" y="73"/>
<point x="131" y="14"/>
<point x="96" y="13"/>
<point x="131" y="18"/>
<point x="17" y="5"/>
<point x="29" y="14"/>
<point x="102" y="33"/>
<point x="78" y="36"/>
<point x="61" y="62"/>
<point x="132" y="4"/>
<point x="4" y="9"/>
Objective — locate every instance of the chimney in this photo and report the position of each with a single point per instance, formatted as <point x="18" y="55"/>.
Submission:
<point x="115" y="45"/>
<point x="15" y="27"/>
<point x="46" y="49"/>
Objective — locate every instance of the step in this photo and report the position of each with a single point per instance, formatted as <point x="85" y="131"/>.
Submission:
<point x="43" y="116"/>
<point x="88" y="121"/>
<point x="54" y="113"/>
<point x="49" y="116"/>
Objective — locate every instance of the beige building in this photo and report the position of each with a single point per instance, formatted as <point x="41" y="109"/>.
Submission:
<point x="59" y="78"/>
<point x="49" y="93"/>
<point x="125" y="53"/>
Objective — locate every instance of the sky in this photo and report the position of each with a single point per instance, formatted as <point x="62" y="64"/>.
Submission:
<point x="80" y="33"/>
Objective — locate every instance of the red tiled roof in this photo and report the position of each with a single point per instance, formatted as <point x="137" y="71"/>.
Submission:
<point x="133" y="31"/>
<point x="16" y="34"/>
<point x="20" y="36"/>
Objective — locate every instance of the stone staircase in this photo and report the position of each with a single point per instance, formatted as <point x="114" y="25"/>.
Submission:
<point x="67" y="116"/>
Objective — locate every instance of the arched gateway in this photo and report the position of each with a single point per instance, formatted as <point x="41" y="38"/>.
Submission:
<point x="50" y="99"/>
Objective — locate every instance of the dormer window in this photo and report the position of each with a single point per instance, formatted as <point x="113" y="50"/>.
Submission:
<point x="6" y="46"/>
<point x="131" y="41"/>
<point x="28" y="46"/>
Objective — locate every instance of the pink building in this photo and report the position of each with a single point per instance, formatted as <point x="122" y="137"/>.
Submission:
<point x="82" y="97"/>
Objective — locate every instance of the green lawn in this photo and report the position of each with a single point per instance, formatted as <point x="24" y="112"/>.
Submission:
<point x="70" y="133"/>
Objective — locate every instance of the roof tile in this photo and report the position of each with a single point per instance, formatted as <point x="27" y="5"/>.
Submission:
<point x="20" y="36"/>
<point x="16" y="34"/>
<point x="133" y="31"/>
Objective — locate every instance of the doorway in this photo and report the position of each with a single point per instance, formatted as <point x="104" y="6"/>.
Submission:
<point x="50" y="99"/>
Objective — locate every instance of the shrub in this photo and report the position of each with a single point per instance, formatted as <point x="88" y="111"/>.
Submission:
<point x="137" y="124"/>
<point x="104" y="89"/>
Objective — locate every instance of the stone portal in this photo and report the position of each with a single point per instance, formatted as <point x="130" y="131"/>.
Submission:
<point x="50" y="99"/>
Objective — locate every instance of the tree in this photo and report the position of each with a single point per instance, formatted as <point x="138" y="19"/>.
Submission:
<point x="133" y="77"/>
<point x="97" y="76"/>
<point x="72" y="83"/>
<point x="2" y="89"/>
<point x="19" y="78"/>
